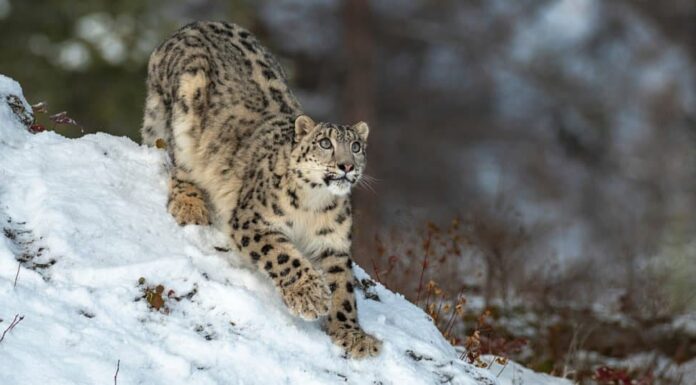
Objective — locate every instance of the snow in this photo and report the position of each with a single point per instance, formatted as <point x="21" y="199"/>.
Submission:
<point x="669" y="371"/>
<point x="686" y="322"/>
<point x="87" y="219"/>
<point x="515" y="374"/>
<point x="10" y="90"/>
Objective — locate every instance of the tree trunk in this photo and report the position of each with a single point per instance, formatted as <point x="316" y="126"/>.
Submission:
<point x="358" y="105"/>
<point x="358" y="100"/>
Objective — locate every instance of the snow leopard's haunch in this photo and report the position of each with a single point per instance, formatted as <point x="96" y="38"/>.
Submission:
<point x="246" y="159"/>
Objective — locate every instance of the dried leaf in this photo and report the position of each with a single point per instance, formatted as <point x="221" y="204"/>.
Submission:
<point x="40" y="107"/>
<point x="63" y="118"/>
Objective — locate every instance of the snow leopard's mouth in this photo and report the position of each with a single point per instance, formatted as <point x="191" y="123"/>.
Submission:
<point x="337" y="179"/>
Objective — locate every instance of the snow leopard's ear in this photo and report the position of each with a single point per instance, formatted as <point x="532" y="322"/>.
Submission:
<point x="303" y="125"/>
<point x="362" y="129"/>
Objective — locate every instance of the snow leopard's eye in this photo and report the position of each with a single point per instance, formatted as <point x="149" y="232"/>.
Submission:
<point x="325" y="143"/>
<point x="355" y="147"/>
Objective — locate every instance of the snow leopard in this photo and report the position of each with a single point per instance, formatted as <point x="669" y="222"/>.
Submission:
<point x="246" y="159"/>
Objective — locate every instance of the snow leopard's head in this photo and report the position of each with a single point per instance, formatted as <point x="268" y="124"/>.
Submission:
<point x="329" y="155"/>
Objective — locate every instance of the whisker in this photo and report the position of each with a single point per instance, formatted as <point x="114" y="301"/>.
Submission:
<point x="366" y="185"/>
<point x="371" y="178"/>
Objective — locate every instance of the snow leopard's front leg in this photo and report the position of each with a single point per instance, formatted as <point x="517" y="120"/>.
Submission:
<point x="342" y="322"/>
<point x="186" y="201"/>
<point x="303" y="288"/>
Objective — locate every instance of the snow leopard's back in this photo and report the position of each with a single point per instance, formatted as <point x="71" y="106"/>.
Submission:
<point x="211" y="88"/>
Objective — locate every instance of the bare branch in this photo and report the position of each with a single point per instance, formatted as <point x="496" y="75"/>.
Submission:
<point x="19" y="266"/>
<point x="17" y="319"/>
<point x="118" y="366"/>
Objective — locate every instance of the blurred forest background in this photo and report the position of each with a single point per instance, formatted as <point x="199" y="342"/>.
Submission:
<point x="535" y="156"/>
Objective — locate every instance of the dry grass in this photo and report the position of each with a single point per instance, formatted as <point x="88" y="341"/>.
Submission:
<point x="478" y="260"/>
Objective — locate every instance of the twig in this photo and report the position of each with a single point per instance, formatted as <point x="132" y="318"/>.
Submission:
<point x="17" y="319"/>
<point x="19" y="265"/>
<point x="490" y="363"/>
<point x="424" y="266"/>
<point x="427" y="299"/>
<point x="450" y="323"/>
<point x="507" y="361"/>
<point x="576" y="345"/>
<point x="572" y="350"/>
<point x="118" y="366"/>
<point x="375" y="268"/>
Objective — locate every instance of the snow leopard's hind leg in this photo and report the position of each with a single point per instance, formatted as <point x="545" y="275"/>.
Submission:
<point x="154" y="121"/>
<point x="187" y="202"/>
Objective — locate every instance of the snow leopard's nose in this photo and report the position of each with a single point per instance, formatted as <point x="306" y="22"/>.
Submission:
<point x="345" y="167"/>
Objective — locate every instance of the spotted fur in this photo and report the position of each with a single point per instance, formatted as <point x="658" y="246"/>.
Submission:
<point x="247" y="160"/>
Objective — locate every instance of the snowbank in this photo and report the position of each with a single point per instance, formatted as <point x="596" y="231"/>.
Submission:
<point x="85" y="219"/>
<point x="513" y="373"/>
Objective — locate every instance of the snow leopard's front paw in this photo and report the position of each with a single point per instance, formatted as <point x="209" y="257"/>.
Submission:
<point x="308" y="296"/>
<point x="356" y="342"/>
<point x="189" y="209"/>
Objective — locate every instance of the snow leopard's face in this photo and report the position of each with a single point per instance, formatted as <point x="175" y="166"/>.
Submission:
<point x="329" y="155"/>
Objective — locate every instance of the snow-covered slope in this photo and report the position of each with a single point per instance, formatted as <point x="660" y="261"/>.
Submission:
<point x="85" y="219"/>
